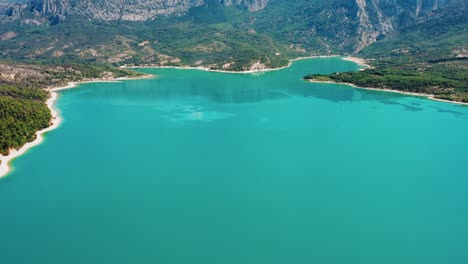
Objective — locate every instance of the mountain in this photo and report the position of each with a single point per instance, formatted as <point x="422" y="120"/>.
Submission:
<point x="430" y="57"/>
<point x="54" y="11"/>
<point x="353" y="25"/>
<point x="221" y="34"/>
<point x="193" y="32"/>
<point x="41" y="11"/>
<point x="251" y="5"/>
<point x="343" y="26"/>
<point x="382" y="18"/>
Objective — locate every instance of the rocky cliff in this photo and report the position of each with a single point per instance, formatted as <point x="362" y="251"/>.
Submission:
<point x="302" y="27"/>
<point x="54" y="11"/>
<point x="251" y="5"/>
<point x="41" y="11"/>
<point x="379" y="18"/>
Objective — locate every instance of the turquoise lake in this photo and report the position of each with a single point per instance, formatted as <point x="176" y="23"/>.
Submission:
<point x="213" y="168"/>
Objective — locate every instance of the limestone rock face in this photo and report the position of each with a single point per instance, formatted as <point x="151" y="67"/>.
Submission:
<point x="55" y="11"/>
<point x="348" y="25"/>
<point x="251" y="5"/>
<point x="133" y="10"/>
<point x="129" y="10"/>
<point x="383" y="17"/>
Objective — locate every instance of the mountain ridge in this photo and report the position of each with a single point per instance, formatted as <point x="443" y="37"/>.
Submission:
<point x="290" y="29"/>
<point x="40" y="12"/>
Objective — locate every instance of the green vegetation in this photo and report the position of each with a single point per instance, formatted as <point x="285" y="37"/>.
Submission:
<point x="429" y="57"/>
<point x="22" y="112"/>
<point x="205" y="37"/>
<point x="445" y="79"/>
<point x="426" y="53"/>
<point x="454" y="88"/>
<point x="217" y="36"/>
<point x="23" y="109"/>
<point x="319" y="27"/>
<point x="210" y="35"/>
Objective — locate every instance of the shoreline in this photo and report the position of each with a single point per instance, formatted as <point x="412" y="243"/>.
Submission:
<point x="359" y="61"/>
<point x="427" y="96"/>
<point x="71" y="85"/>
<point x="5" y="167"/>
<point x="55" y="121"/>
<point x="5" y="161"/>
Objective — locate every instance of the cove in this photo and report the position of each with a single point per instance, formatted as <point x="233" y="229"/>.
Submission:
<point x="204" y="167"/>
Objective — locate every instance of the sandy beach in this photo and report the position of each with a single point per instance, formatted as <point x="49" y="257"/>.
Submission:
<point x="55" y="122"/>
<point x="361" y="62"/>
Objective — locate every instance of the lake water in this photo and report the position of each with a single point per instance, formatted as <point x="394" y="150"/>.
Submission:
<point x="213" y="168"/>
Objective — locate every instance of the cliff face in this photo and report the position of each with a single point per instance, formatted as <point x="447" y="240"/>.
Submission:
<point x="377" y="18"/>
<point x="251" y="5"/>
<point x="305" y="26"/>
<point x="41" y="11"/>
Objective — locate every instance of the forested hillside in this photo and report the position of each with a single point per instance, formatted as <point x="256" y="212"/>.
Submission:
<point x="22" y="112"/>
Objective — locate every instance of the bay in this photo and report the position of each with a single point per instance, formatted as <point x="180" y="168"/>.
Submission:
<point x="203" y="167"/>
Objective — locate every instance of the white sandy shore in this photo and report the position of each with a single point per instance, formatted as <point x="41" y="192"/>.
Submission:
<point x="359" y="61"/>
<point x="4" y="166"/>
<point x="55" y="122"/>
<point x="428" y="96"/>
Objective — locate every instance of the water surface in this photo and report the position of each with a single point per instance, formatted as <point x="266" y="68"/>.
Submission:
<point x="213" y="168"/>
